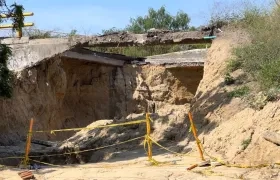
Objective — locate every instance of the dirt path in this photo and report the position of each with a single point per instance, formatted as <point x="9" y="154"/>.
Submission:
<point x="128" y="165"/>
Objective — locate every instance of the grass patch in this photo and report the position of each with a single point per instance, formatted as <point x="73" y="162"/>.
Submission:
<point x="239" y="92"/>
<point x="245" y="143"/>
<point x="233" y="65"/>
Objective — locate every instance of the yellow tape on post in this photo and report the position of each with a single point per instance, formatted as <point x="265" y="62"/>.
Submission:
<point x="196" y="138"/>
<point x="91" y="128"/>
<point x="149" y="142"/>
<point x="28" y="143"/>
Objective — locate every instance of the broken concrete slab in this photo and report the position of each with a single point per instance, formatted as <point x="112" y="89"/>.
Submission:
<point x="92" y="58"/>
<point x="156" y="38"/>
<point x="190" y="58"/>
<point x="28" y="53"/>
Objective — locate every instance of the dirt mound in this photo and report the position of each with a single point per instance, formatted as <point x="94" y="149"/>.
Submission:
<point x="229" y="128"/>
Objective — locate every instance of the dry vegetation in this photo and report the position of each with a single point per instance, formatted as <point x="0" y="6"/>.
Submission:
<point x="259" y="59"/>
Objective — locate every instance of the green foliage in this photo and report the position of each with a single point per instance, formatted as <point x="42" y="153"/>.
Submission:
<point x="273" y="94"/>
<point x="192" y="28"/>
<point x="239" y="92"/>
<point x="18" y="18"/>
<point x="144" y="51"/>
<point x="245" y="143"/>
<point x="261" y="58"/>
<point x="159" y="19"/>
<point x="229" y="79"/>
<point x="73" y="33"/>
<point x="5" y="52"/>
<point x="233" y="65"/>
<point x="269" y="74"/>
<point x="5" y="74"/>
<point x="5" y="82"/>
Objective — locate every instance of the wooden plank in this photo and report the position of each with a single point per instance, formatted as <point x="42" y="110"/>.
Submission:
<point x="92" y="58"/>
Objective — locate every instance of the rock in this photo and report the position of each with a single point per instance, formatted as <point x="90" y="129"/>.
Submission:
<point x="272" y="137"/>
<point x="215" y="164"/>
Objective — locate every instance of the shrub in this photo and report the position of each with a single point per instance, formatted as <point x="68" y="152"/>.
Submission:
<point x="257" y="101"/>
<point x="269" y="75"/>
<point x="229" y="79"/>
<point x="272" y="94"/>
<point x="261" y="58"/>
<point x="239" y="92"/>
<point x="5" y="82"/>
<point x="5" y="74"/>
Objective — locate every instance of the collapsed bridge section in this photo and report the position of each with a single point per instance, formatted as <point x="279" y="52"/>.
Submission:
<point x="63" y="84"/>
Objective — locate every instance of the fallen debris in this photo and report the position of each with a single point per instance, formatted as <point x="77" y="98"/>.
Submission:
<point x="203" y="163"/>
<point x="215" y="164"/>
<point x="151" y="38"/>
<point x="26" y="175"/>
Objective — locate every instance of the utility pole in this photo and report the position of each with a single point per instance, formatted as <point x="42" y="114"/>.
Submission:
<point x="19" y="31"/>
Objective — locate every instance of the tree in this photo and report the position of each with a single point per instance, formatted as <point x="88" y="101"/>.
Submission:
<point x="159" y="19"/>
<point x="6" y="76"/>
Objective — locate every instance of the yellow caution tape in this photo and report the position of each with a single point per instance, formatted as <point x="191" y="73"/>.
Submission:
<point x="152" y="160"/>
<point x="15" y="157"/>
<point x="90" y="128"/>
<point x="173" y="152"/>
<point x="49" y="164"/>
<point x="87" y="150"/>
<point x="227" y="164"/>
<point x="208" y="172"/>
<point x="211" y="157"/>
<point x="234" y="165"/>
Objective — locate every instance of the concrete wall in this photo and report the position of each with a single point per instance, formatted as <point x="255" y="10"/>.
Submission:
<point x="28" y="52"/>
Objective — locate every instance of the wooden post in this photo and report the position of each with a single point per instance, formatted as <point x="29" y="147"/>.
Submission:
<point x="149" y="142"/>
<point x="28" y="142"/>
<point x="196" y="138"/>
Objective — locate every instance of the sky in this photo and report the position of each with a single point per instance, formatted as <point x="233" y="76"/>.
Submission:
<point x="92" y="16"/>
